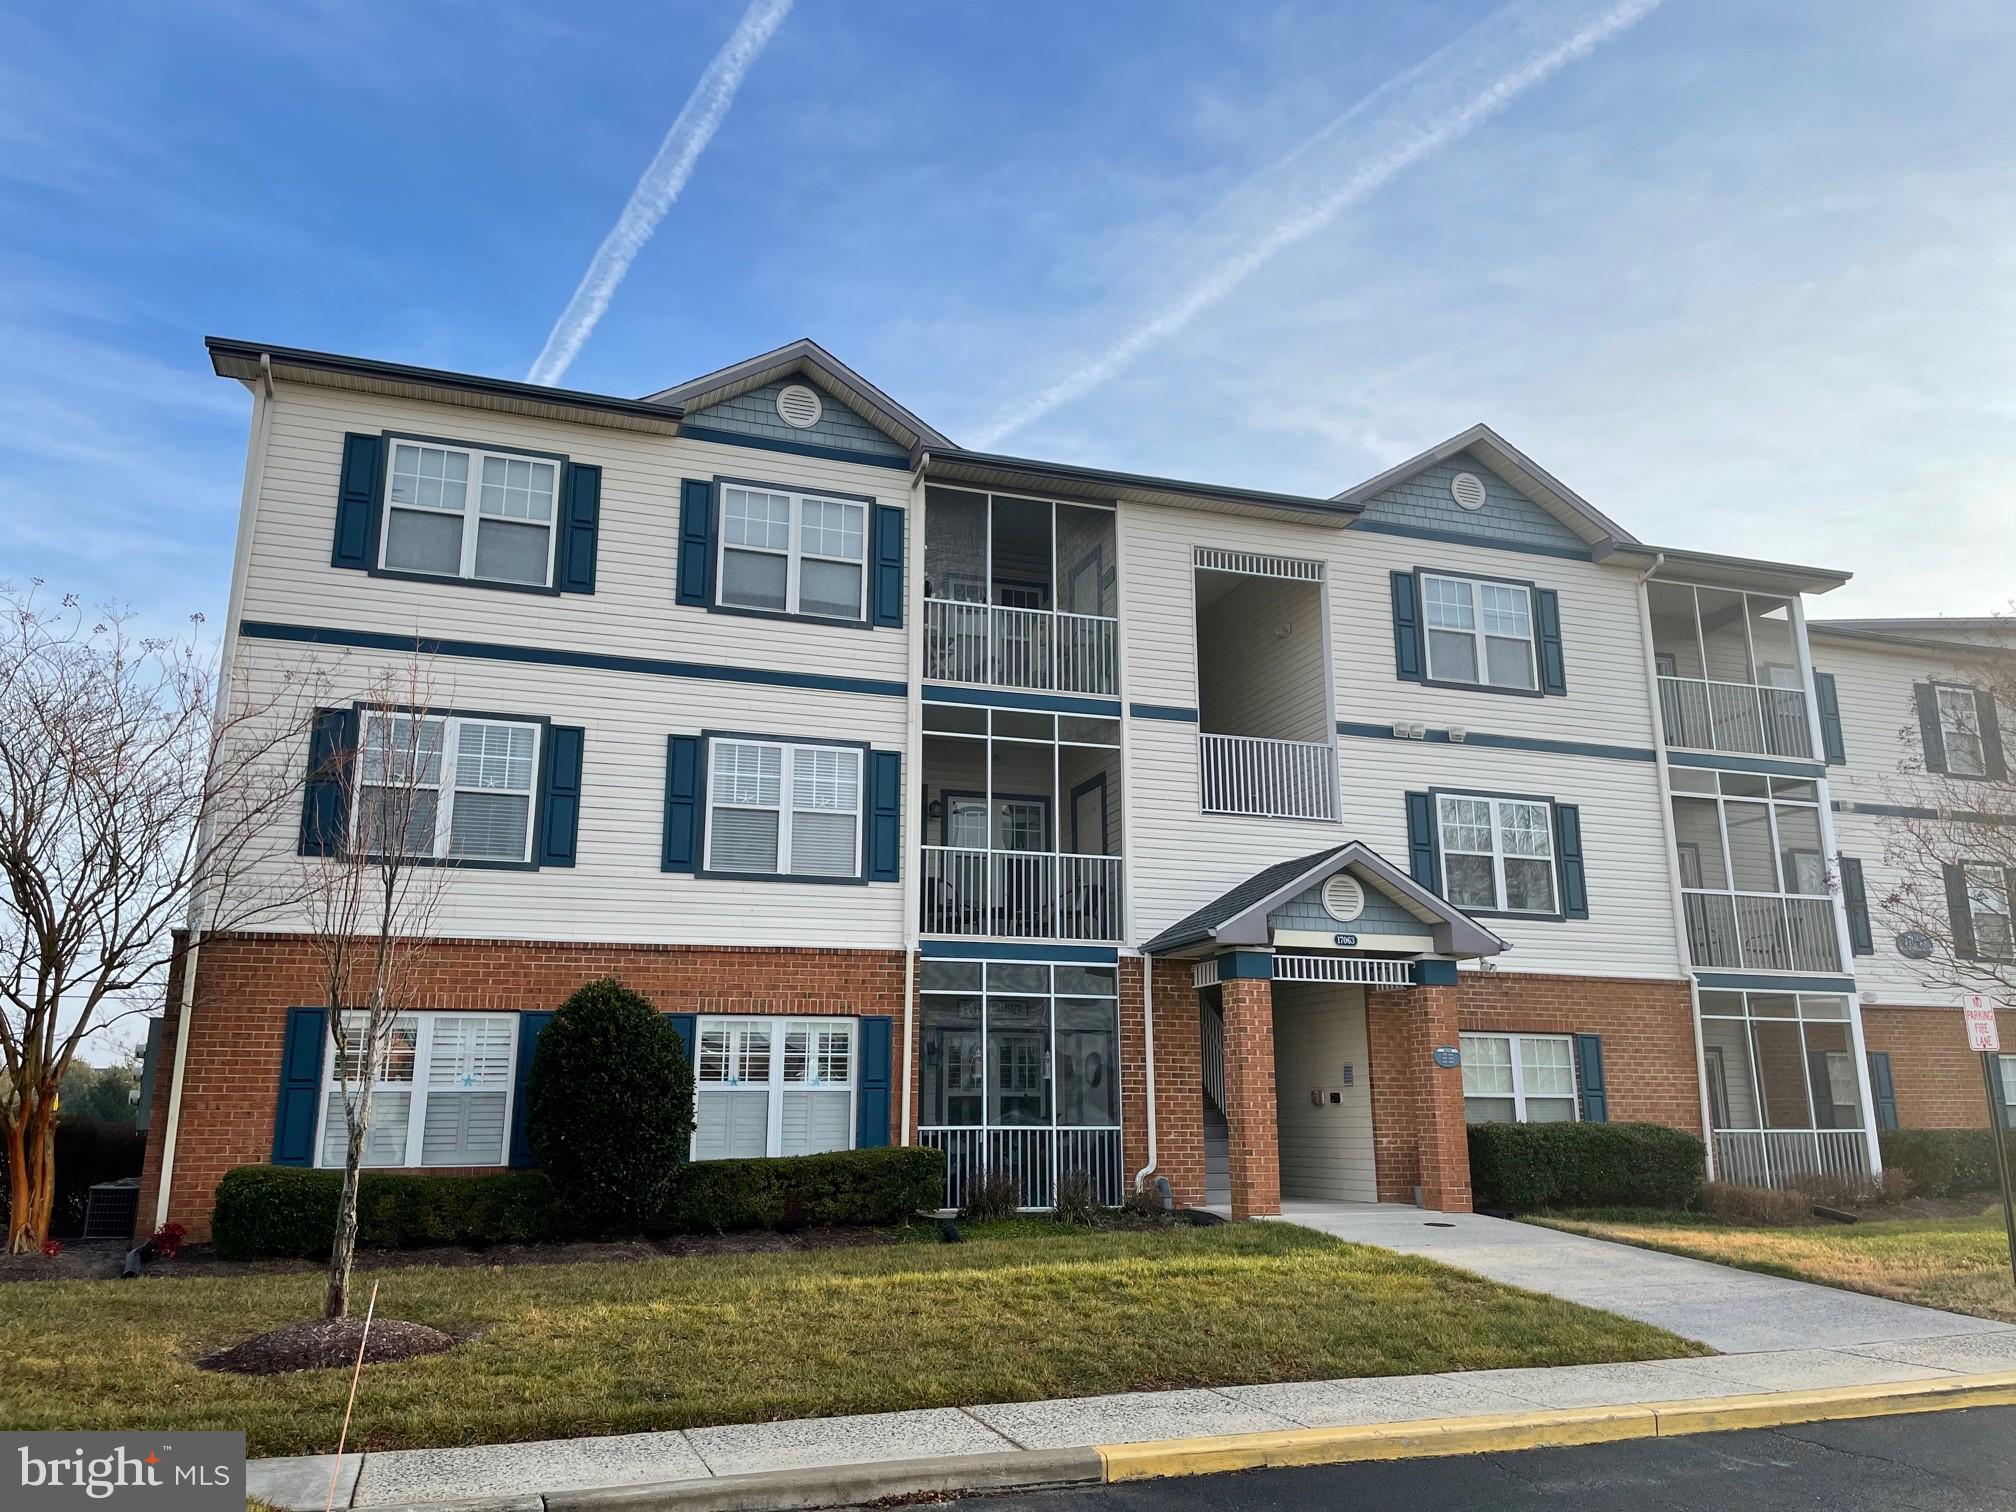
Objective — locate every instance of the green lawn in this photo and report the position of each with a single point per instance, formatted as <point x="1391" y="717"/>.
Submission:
<point x="562" y="1350"/>
<point x="1961" y="1264"/>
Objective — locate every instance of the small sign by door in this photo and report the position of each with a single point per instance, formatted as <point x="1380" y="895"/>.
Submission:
<point x="1982" y="1035"/>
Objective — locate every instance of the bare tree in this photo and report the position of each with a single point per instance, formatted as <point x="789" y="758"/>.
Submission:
<point x="133" y="801"/>
<point x="1951" y="840"/>
<point x="371" y="898"/>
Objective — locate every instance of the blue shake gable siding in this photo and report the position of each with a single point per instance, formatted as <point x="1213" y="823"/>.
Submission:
<point x="1423" y="502"/>
<point x="755" y="414"/>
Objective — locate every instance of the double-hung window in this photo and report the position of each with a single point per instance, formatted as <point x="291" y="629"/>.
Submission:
<point x="1988" y="906"/>
<point x="445" y="786"/>
<point x="469" y="513"/>
<point x="767" y="1086"/>
<point x="1479" y="632"/>
<point x="1518" y="1078"/>
<point x="784" y="810"/>
<point x="442" y="1092"/>
<point x="793" y="553"/>
<point x="1498" y="853"/>
<point x="1960" y="730"/>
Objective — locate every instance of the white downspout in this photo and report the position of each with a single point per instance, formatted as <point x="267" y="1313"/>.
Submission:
<point x="1673" y="855"/>
<point x="913" y="784"/>
<point x="248" y="514"/>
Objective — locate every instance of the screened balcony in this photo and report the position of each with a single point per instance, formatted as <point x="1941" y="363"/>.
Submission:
<point x="1784" y="1087"/>
<point x="1020" y="593"/>
<point x="1754" y="881"/>
<point x="1729" y="671"/>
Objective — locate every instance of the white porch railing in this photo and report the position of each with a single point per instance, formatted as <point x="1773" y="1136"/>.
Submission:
<point x="1273" y="779"/>
<point x="1037" y="1159"/>
<point x="997" y="646"/>
<point x="1020" y="895"/>
<point x="1773" y="1157"/>
<point x="1211" y="1038"/>
<point x="1357" y="971"/>
<point x="1704" y="714"/>
<point x="1761" y="931"/>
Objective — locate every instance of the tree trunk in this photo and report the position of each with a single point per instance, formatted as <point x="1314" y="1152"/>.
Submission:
<point x="31" y="1172"/>
<point x="336" y="1300"/>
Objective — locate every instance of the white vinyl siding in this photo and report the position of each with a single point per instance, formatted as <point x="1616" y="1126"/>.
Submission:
<point x="1519" y="1078"/>
<point x="443" y="1094"/>
<point x="462" y="512"/>
<point x="792" y="553"/>
<point x="773" y="1087"/>
<point x="452" y="786"/>
<point x="783" y="810"/>
<point x="1497" y="853"/>
<point x="1479" y="632"/>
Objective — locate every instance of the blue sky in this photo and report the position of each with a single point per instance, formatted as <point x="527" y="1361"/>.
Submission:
<point x="1744" y="276"/>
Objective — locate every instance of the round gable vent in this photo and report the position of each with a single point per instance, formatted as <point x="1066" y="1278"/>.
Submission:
<point x="799" y="406"/>
<point x="1343" y="898"/>
<point x="1466" y="488"/>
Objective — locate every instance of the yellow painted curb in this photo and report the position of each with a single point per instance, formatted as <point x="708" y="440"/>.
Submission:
<point x="1546" y="1427"/>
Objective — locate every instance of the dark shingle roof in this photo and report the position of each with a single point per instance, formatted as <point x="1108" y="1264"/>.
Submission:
<point x="1230" y="905"/>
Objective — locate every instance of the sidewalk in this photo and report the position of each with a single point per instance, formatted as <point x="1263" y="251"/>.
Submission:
<point x="845" y="1461"/>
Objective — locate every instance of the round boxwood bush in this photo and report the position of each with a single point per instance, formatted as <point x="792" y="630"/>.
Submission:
<point x="610" y="1108"/>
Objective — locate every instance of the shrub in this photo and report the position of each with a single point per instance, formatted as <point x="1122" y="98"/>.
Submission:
<point x="289" y="1212"/>
<point x="1527" y="1167"/>
<point x="88" y="1151"/>
<point x="1852" y="1189"/>
<point x="997" y="1194"/>
<point x="1944" y="1162"/>
<point x="1733" y="1203"/>
<point x="844" y="1187"/>
<point x="610" y="1108"/>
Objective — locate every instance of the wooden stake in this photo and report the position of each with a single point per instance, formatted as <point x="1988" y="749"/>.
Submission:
<point x="356" y="1370"/>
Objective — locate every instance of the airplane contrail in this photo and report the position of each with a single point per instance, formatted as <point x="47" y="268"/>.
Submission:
<point x="659" y="187"/>
<point x="1401" y="122"/>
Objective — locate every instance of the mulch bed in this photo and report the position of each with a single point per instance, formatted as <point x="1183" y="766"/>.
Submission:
<point x="325" y="1344"/>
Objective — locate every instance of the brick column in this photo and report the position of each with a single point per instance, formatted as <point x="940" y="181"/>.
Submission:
<point x="1443" y="1143"/>
<point x="1253" y="1144"/>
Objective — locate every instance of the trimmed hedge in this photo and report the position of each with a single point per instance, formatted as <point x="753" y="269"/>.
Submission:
<point x="274" y="1212"/>
<point x="847" y="1187"/>
<point x="1528" y="1167"/>
<point x="1944" y="1162"/>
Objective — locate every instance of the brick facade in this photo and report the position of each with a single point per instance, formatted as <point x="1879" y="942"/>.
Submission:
<point x="1936" y="1077"/>
<point x="1252" y="1136"/>
<point x="1418" y="1138"/>
<point x="1179" y="1085"/>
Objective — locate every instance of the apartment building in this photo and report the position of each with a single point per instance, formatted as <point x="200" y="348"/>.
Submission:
<point x="1069" y="821"/>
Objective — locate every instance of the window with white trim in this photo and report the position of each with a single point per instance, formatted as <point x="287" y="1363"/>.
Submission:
<point x="1988" y="906"/>
<point x="793" y="553"/>
<point x="772" y="1086"/>
<point x="1960" y="730"/>
<point x="1479" y="632"/>
<point x="471" y="513"/>
<point x="778" y="810"/>
<point x="1498" y="853"/>
<point x="443" y="1091"/>
<point x="1519" y="1078"/>
<point x="447" y="785"/>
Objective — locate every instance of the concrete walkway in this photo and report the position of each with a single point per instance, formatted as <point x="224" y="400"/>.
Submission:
<point x="1735" y="1311"/>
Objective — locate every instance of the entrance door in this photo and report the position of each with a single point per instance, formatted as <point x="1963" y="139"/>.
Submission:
<point x="1323" y="1093"/>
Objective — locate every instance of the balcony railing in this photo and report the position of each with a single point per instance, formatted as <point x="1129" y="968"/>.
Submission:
<point x="1271" y="779"/>
<point x="1037" y="1159"/>
<point x="1761" y="931"/>
<point x="1706" y="715"/>
<point x="1749" y="1157"/>
<point x="1020" y="895"/>
<point x="1043" y="649"/>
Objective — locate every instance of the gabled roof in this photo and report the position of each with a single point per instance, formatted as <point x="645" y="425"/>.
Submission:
<point x="1239" y="917"/>
<point x="954" y="467"/>
<point x="805" y="358"/>
<point x="1517" y="469"/>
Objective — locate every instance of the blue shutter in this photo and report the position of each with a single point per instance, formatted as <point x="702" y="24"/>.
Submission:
<point x="530" y="1027"/>
<point x="1932" y="744"/>
<point x="886" y="593"/>
<point x="1959" y="912"/>
<point x="295" y="1112"/>
<point x="1568" y="853"/>
<point x="885" y="816"/>
<point x="1882" y="1089"/>
<point x="1829" y="701"/>
<point x="580" y="523"/>
<point x="1423" y="860"/>
<point x="683" y="782"/>
<point x="357" y="505"/>
<point x="871" y="1098"/>
<point x="1855" y="901"/>
<point x="1991" y="735"/>
<point x="559" y="813"/>
<point x="688" y="1027"/>
<point x="1409" y="665"/>
<point x="696" y="542"/>
<point x="1547" y="614"/>
<point x="1589" y="1073"/>
<point x="325" y="810"/>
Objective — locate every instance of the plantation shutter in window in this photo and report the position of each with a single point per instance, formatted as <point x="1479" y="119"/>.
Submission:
<point x="1991" y="735"/>
<point x="559" y="813"/>
<point x="530" y="1027"/>
<point x="683" y="780"/>
<point x="1408" y="662"/>
<point x="1422" y="861"/>
<point x="300" y="1086"/>
<point x="1959" y="912"/>
<point x="1568" y="852"/>
<point x="1930" y="739"/>
<point x="1547" y="615"/>
<point x="332" y="740"/>
<point x="1855" y="901"/>
<point x="580" y="524"/>
<point x="696" y="542"/>
<point x="1882" y="1090"/>
<point x="871" y="1080"/>
<point x="468" y="1085"/>
<point x="886" y="586"/>
<point x="1589" y="1073"/>
<point x="885" y="816"/>
<point x="1829" y="700"/>
<point x="826" y="796"/>
<point x="357" y="507"/>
